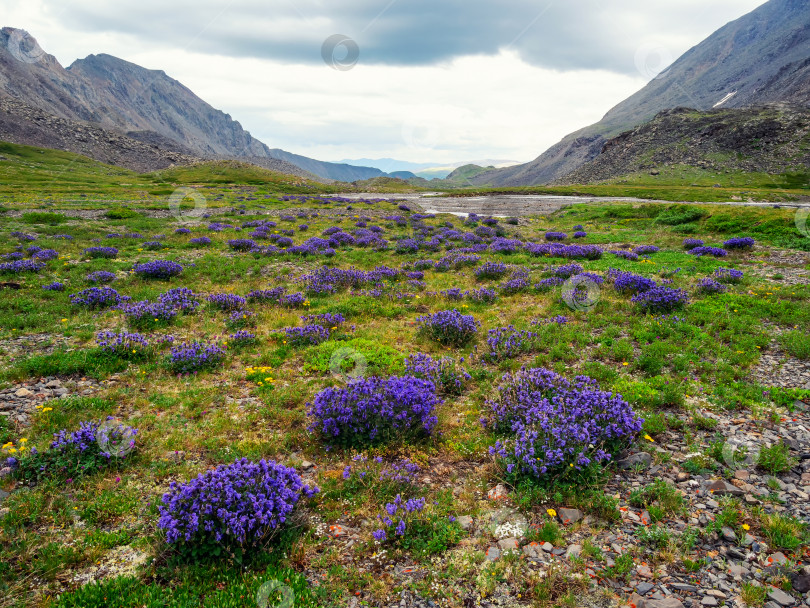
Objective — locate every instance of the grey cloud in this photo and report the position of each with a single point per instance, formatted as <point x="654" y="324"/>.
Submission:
<point x="556" y="34"/>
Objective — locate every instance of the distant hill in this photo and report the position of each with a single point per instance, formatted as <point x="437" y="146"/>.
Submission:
<point x="773" y="139"/>
<point x="761" y="58"/>
<point x="143" y="104"/>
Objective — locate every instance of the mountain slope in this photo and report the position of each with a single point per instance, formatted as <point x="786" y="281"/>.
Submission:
<point x="762" y="57"/>
<point x="772" y="139"/>
<point x="147" y="104"/>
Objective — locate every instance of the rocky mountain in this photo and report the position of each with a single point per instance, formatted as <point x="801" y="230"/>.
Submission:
<point x="763" y="57"/>
<point x="148" y="105"/>
<point x="24" y="124"/>
<point x="771" y="139"/>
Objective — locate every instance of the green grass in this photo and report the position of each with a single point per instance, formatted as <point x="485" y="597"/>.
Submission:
<point x="57" y="531"/>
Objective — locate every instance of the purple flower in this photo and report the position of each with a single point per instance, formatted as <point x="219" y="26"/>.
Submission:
<point x="195" y="356"/>
<point x="708" y="285"/>
<point x="728" y="275"/>
<point x="375" y="409"/>
<point x="55" y="286"/>
<point x="100" y="276"/>
<point x="692" y="243"/>
<point x="98" y="297"/>
<point x="101" y="252"/>
<point x="712" y="251"/>
<point x="661" y="299"/>
<point x="241" y="503"/>
<point x="448" y="327"/>
<point x="555" y="236"/>
<point x="740" y="242"/>
<point x="549" y="423"/>
<point x="20" y="266"/>
<point x="158" y="269"/>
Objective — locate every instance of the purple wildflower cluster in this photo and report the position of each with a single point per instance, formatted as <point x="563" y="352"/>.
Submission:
<point x="515" y="285"/>
<point x="628" y="282"/>
<point x="293" y="300"/>
<point x="123" y="344"/>
<point x="153" y="245"/>
<point x="627" y="255"/>
<point x="556" y="236"/>
<point x="508" y="342"/>
<point x="21" y="266"/>
<point x="692" y="243"/>
<point x="548" y="284"/>
<point x="308" y="335"/>
<point x="491" y="270"/>
<point x="728" y="275"/>
<point x="55" y="286"/>
<point x="645" y="249"/>
<point x="375" y="409"/>
<point x="448" y="327"/>
<point x="446" y="376"/>
<point x="241" y="338"/>
<point x="201" y="241"/>
<point x="580" y="234"/>
<point x="483" y="295"/>
<point x="227" y="302"/>
<point x="265" y="295"/>
<point x="239" y="319"/>
<point x="661" y="299"/>
<point x="158" y="269"/>
<point x="712" y="251"/>
<point x="146" y="314"/>
<point x="181" y="299"/>
<point x="241" y="244"/>
<point x="708" y="285"/>
<point x="567" y="270"/>
<point x="553" y="424"/>
<point x="236" y="504"/>
<point x="329" y="320"/>
<point x="101" y="252"/>
<point x="406" y="508"/>
<point x="100" y="276"/>
<point x="192" y="357"/>
<point x="94" y="446"/>
<point x="571" y="252"/>
<point x="740" y="243"/>
<point x="98" y="297"/>
<point x="45" y="255"/>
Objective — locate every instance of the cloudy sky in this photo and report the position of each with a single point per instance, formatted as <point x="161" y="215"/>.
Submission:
<point x="419" y="80"/>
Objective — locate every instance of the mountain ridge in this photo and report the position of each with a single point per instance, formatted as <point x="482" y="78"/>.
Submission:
<point x="127" y="98"/>
<point x="762" y="57"/>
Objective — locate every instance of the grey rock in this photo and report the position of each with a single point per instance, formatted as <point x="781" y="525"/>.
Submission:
<point x="780" y="597"/>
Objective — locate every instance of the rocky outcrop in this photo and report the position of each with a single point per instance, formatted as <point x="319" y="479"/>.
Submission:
<point x="772" y="139"/>
<point x="146" y="105"/>
<point x="761" y="58"/>
<point x="23" y="124"/>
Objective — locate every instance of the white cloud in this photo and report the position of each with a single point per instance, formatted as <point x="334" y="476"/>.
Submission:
<point x="457" y="81"/>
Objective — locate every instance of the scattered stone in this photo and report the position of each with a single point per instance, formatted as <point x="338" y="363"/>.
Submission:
<point x="569" y="516"/>
<point x="499" y="492"/>
<point x="781" y="598"/>
<point x="642" y="459"/>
